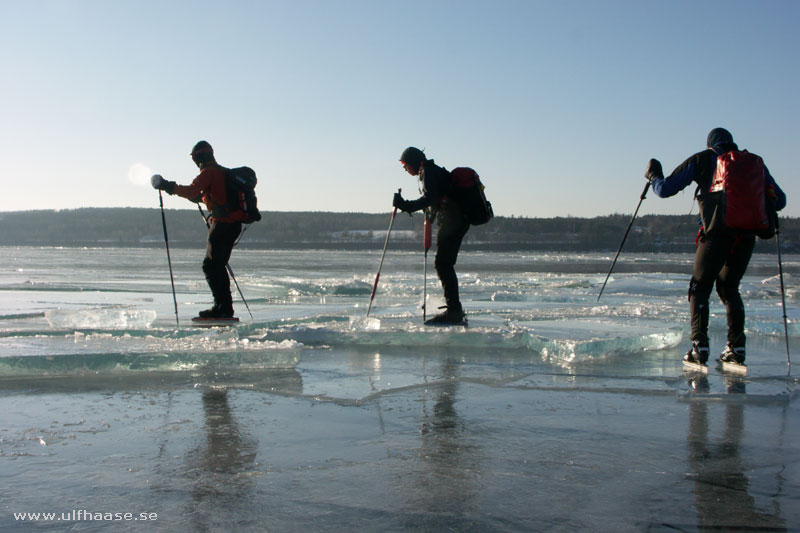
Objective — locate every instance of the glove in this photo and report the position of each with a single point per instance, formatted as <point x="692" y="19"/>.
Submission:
<point x="654" y="170"/>
<point x="158" y="182"/>
<point x="399" y="202"/>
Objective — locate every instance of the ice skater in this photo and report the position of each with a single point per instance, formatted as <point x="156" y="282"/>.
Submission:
<point x="726" y="237"/>
<point x="438" y="202"/>
<point x="225" y="224"/>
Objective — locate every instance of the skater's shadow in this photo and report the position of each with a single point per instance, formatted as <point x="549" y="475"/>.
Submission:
<point x="721" y="488"/>
<point x="443" y="489"/>
<point x="220" y="466"/>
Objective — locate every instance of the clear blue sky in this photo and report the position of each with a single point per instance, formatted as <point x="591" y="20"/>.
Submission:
<point x="557" y="104"/>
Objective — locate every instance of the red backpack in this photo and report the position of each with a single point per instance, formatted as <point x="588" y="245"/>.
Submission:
<point x="468" y="192"/>
<point x="737" y="198"/>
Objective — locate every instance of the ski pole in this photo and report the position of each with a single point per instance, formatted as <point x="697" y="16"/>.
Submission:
<point x="426" y="230"/>
<point x="641" y="198"/>
<point x="227" y="266"/>
<point x="380" y="266"/>
<point x="783" y="297"/>
<point x="169" y="260"/>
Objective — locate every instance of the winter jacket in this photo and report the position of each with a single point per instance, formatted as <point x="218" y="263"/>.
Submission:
<point x="210" y="187"/>
<point x="436" y="186"/>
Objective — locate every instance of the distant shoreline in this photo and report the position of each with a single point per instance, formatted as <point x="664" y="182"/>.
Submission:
<point x="142" y="227"/>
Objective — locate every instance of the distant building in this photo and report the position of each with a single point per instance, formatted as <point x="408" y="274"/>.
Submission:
<point x="373" y="235"/>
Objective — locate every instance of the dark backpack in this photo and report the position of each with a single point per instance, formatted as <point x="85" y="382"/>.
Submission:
<point x="738" y="197"/>
<point x="241" y="192"/>
<point x="468" y="192"/>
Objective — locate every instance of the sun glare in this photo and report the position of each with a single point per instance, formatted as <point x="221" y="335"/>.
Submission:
<point x="139" y="174"/>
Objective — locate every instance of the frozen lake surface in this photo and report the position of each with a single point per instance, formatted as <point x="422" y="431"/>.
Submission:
<point x="551" y="411"/>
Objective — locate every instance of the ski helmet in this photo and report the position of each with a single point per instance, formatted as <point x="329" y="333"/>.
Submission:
<point x="412" y="156"/>
<point x="202" y="147"/>
<point x="718" y="137"/>
<point x="202" y="153"/>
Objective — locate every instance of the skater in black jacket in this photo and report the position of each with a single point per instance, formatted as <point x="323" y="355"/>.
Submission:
<point x="437" y="199"/>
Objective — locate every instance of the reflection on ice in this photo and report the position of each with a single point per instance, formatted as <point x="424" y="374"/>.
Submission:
<point x="720" y="473"/>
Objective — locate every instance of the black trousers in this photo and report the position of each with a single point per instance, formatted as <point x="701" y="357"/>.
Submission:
<point x="221" y="238"/>
<point x="453" y="225"/>
<point x="720" y="260"/>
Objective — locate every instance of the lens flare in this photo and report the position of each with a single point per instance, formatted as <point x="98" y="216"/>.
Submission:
<point x="139" y="174"/>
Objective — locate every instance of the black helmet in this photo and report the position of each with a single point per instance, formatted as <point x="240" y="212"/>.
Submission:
<point x="202" y="153"/>
<point x="412" y="156"/>
<point x="718" y="137"/>
<point x="202" y="147"/>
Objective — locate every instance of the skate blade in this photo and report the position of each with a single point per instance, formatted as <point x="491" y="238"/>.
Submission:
<point x="689" y="366"/>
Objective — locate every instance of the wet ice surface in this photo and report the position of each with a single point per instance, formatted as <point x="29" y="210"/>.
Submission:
<point x="465" y="446"/>
<point x="549" y="412"/>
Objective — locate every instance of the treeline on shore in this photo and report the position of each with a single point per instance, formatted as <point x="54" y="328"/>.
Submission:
<point x="142" y="227"/>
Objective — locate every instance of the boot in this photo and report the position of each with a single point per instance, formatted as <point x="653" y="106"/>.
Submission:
<point x="217" y="311"/>
<point x="698" y="353"/>
<point x="208" y="313"/>
<point x="449" y="316"/>
<point x="733" y="355"/>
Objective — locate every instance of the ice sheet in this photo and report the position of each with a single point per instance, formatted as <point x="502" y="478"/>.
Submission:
<point x="551" y="411"/>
